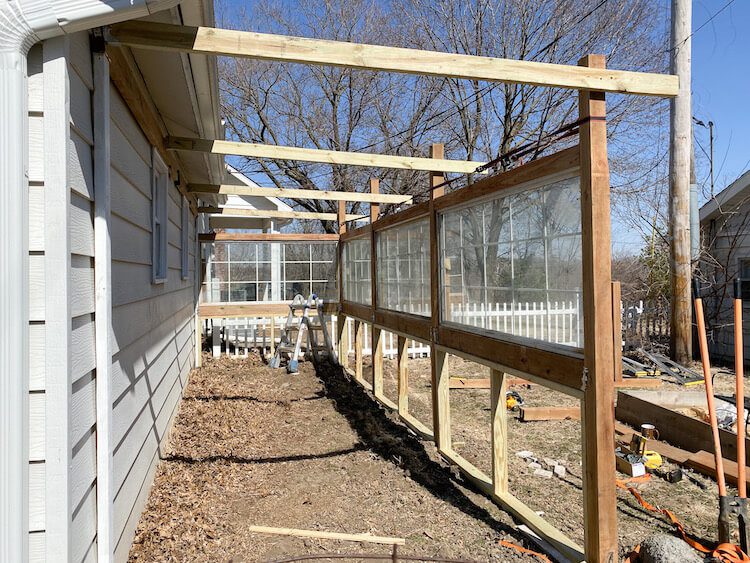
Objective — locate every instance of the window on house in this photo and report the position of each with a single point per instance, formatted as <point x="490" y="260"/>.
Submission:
<point x="159" y="220"/>
<point x="185" y="250"/>
<point x="744" y="270"/>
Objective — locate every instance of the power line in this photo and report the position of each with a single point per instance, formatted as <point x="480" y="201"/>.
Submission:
<point x="704" y="24"/>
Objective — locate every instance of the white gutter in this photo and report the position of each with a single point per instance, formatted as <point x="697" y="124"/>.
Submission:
<point x="22" y="24"/>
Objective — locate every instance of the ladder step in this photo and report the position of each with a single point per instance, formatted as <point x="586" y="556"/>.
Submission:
<point x="286" y="348"/>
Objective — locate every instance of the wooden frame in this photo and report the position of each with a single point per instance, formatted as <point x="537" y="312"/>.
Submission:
<point x="586" y="375"/>
<point x="273" y="214"/>
<point x="292" y="193"/>
<point x="267" y="237"/>
<point x="369" y="160"/>
<point x="206" y="40"/>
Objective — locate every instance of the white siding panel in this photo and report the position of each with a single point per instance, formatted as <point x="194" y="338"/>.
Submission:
<point x="129" y="203"/>
<point x="127" y="161"/>
<point x="81" y="166"/>
<point x="83" y="468"/>
<point x="130" y="243"/>
<point x="124" y="122"/>
<point x="36" y="497"/>
<point x="82" y="346"/>
<point x="81" y="285"/>
<point x="80" y="108"/>
<point x="36" y="426"/>
<point x="133" y="320"/>
<point x="83" y="528"/>
<point x="36" y="218"/>
<point x="36" y="287"/>
<point x="132" y="282"/>
<point x="81" y="226"/>
<point x="37" y="547"/>
<point x="37" y="349"/>
<point x="36" y="156"/>
<point x="80" y="57"/>
<point x="83" y="407"/>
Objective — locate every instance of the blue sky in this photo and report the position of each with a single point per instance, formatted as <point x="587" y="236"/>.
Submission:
<point x="721" y="85"/>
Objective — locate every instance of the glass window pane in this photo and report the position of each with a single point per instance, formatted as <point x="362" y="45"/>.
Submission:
<point x="242" y="272"/>
<point x="242" y="251"/>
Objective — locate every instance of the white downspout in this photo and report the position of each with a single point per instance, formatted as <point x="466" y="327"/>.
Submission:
<point x="22" y="24"/>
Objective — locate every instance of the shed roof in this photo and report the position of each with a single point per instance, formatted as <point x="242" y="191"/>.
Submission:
<point x="728" y="198"/>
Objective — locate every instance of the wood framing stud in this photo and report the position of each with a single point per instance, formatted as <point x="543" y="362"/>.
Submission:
<point x="291" y="193"/>
<point x="617" y="330"/>
<point x="442" y="408"/>
<point x="152" y="35"/>
<point x="267" y="237"/>
<point x="273" y="214"/>
<point x="499" y="433"/>
<point x="403" y="375"/>
<point x="358" y="340"/>
<point x="279" y="152"/>
<point x="600" y="513"/>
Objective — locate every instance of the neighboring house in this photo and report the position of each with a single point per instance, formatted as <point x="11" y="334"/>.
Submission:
<point x="99" y="284"/>
<point x="725" y="231"/>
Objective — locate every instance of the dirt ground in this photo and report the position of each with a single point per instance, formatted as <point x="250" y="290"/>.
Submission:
<point x="255" y="446"/>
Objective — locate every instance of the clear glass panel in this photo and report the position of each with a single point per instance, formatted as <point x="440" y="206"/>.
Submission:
<point x="356" y="271"/>
<point x="250" y="271"/>
<point x="513" y="264"/>
<point x="404" y="267"/>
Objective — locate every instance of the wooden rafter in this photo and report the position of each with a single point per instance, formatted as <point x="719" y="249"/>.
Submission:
<point x="267" y="237"/>
<point x="152" y="35"/>
<point x="226" y="189"/>
<point x="256" y="150"/>
<point x="272" y="214"/>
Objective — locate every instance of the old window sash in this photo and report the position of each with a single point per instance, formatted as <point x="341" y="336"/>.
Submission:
<point x="159" y="220"/>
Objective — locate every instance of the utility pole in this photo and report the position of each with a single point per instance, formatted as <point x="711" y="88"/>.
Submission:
<point x="679" y="185"/>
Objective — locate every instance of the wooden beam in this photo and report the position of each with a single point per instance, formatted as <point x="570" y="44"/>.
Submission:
<point x="280" y="152"/>
<point x="403" y="375"/>
<point x="359" y="332"/>
<point x="267" y="237"/>
<point x="264" y="46"/>
<point x="441" y="405"/>
<point x="499" y="433"/>
<point x="317" y="534"/>
<point x="529" y="414"/>
<point x="251" y="309"/>
<point x="600" y="513"/>
<point x="291" y="193"/>
<point x="273" y="214"/>
<point x="470" y="383"/>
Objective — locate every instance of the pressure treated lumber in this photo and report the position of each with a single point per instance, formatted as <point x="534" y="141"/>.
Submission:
<point x="292" y="193"/>
<point x="403" y="375"/>
<point x="280" y="152"/>
<point x="672" y="453"/>
<point x="366" y="538"/>
<point x="267" y="237"/>
<point x="599" y="514"/>
<point x="470" y="383"/>
<point x="705" y="463"/>
<point x="274" y="214"/>
<point x="529" y="414"/>
<point x="264" y="46"/>
<point x="499" y="418"/>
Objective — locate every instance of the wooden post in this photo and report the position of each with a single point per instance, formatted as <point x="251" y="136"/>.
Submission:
<point x="376" y="333"/>
<point x="438" y="363"/>
<point x="403" y="375"/>
<point x="679" y="186"/>
<point x="499" y="433"/>
<point x="600" y="516"/>
<point x="272" y="348"/>
<point x="343" y="341"/>
<point x="617" y="329"/>
<point x="358" y="337"/>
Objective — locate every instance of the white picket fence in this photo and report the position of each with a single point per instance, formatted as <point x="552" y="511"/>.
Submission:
<point x="560" y="323"/>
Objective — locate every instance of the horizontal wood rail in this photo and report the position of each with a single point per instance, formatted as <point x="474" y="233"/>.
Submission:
<point x="273" y="214"/>
<point x="263" y="46"/>
<point x="268" y="237"/>
<point x="560" y="163"/>
<point x="292" y="193"/>
<point x="419" y="211"/>
<point x="279" y="152"/>
<point x="251" y="309"/>
<point x="359" y="232"/>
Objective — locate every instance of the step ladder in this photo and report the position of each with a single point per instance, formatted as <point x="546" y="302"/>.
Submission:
<point x="304" y="328"/>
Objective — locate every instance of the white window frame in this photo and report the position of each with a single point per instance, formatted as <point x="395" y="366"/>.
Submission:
<point x="185" y="239"/>
<point x="159" y="217"/>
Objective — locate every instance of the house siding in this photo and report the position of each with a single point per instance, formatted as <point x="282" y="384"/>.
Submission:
<point x="152" y="324"/>
<point x="152" y="333"/>
<point x="728" y="239"/>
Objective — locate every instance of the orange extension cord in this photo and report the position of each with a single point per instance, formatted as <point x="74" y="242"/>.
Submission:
<point x="511" y="545"/>
<point x="725" y="552"/>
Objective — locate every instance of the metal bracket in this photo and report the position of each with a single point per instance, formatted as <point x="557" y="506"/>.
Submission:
<point x="584" y="379"/>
